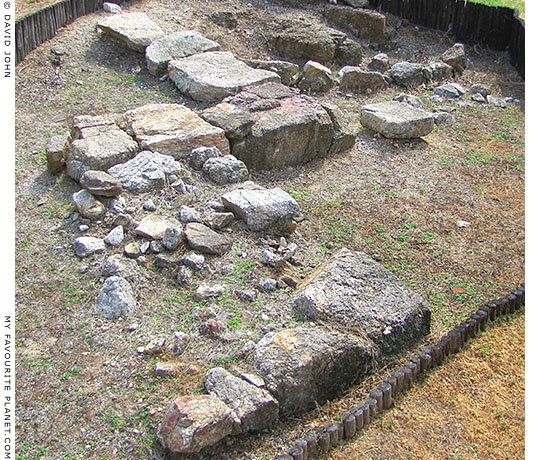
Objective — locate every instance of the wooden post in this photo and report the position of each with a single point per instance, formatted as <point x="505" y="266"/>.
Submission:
<point x="312" y="448"/>
<point x="518" y="293"/>
<point x="302" y="443"/>
<point x="367" y="414"/>
<point x="297" y="453"/>
<point x="461" y="330"/>
<point x="372" y="403"/>
<point x="471" y="327"/>
<point x="444" y="345"/>
<point x="502" y="306"/>
<point x="386" y="389"/>
<point x="377" y="395"/>
<point x="414" y="366"/>
<point x="324" y="442"/>
<point x="392" y="381"/>
<point x="332" y="430"/>
<point x="408" y="379"/>
<point x="400" y="377"/>
<point x="482" y="321"/>
<point x="437" y="354"/>
<point x="485" y="309"/>
<point x="425" y="362"/>
<point x="512" y="299"/>
<point x="358" y="413"/>
<point x="492" y="306"/>
<point x="349" y="426"/>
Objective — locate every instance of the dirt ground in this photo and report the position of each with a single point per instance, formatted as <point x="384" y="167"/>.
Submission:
<point x="84" y="393"/>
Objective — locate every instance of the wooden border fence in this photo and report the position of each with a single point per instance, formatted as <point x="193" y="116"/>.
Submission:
<point x="495" y="27"/>
<point x="498" y="28"/>
<point x="36" y="28"/>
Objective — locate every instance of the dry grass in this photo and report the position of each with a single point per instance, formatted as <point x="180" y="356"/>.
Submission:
<point x="473" y="407"/>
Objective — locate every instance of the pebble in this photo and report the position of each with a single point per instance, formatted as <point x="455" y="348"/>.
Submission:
<point x="463" y="223"/>
<point x="149" y="205"/>
<point x="268" y="284"/>
<point x="145" y="247"/>
<point x="83" y="228"/>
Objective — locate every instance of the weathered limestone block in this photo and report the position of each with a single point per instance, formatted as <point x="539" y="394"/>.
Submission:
<point x="115" y="299"/>
<point x="194" y="422"/>
<point x="172" y="129"/>
<point x="90" y="125"/>
<point x="262" y="209"/>
<point x="305" y="366"/>
<point x="254" y="408"/>
<point x="363" y="23"/>
<point x="344" y="136"/>
<point x="351" y="290"/>
<point x="87" y="205"/>
<point x="135" y="30"/>
<point x="408" y="74"/>
<point x="100" y="151"/>
<point x="205" y="240"/>
<point x="286" y="70"/>
<point x="353" y="78"/>
<point x="302" y="41"/>
<point x="396" y="120"/>
<point x="455" y="57"/>
<point x="315" y="77"/>
<point x="289" y="128"/>
<point x="176" y="46"/>
<point x="155" y="226"/>
<point x="57" y="151"/>
<point x="235" y="121"/>
<point x="101" y="183"/>
<point x="148" y="171"/>
<point x="209" y="77"/>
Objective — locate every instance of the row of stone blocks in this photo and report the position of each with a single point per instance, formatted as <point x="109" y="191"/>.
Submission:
<point x="381" y="397"/>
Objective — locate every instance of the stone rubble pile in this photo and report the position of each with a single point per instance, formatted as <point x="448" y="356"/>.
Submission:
<point x="263" y="115"/>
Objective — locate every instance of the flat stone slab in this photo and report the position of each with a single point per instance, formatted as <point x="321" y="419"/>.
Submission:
<point x="396" y="120"/>
<point x="305" y="366"/>
<point x="351" y="290"/>
<point x="352" y="78"/>
<point x="407" y="74"/>
<point x="194" y="422"/>
<point x="134" y="30"/>
<point x="255" y="409"/>
<point x="235" y="121"/>
<point x="302" y="41"/>
<point x="101" y="183"/>
<point x="172" y="129"/>
<point x="90" y="125"/>
<point x="205" y="240"/>
<point x="85" y="246"/>
<point x="286" y="70"/>
<point x="154" y="226"/>
<point x="362" y="22"/>
<point x="262" y="209"/>
<point x="289" y="128"/>
<point x="100" y="151"/>
<point x="146" y="172"/>
<point x="176" y="46"/>
<point x="211" y="76"/>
